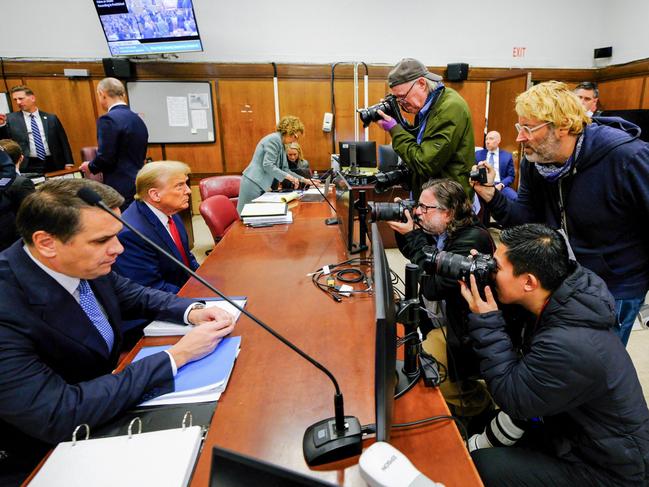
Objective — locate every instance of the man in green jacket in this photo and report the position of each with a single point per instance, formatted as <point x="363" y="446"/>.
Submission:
<point x="441" y="144"/>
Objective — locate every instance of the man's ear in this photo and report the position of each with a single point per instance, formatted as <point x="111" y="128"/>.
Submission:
<point x="154" y="195"/>
<point x="531" y="282"/>
<point x="44" y="243"/>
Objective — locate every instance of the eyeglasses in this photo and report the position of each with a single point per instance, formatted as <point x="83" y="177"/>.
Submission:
<point x="401" y="99"/>
<point x="529" y="130"/>
<point x="424" y="208"/>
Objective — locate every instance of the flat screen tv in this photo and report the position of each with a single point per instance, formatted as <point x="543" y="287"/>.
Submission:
<point x="145" y="27"/>
<point x="348" y="217"/>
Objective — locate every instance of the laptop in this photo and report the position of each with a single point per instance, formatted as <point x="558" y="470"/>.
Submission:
<point x="317" y="197"/>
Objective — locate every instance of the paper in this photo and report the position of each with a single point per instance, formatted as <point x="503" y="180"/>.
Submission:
<point x="199" y="119"/>
<point x="199" y="100"/>
<point x="167" y="328"/>
<point x="264" y="209"/>
<point x="272" y="197"/>
<point x="4" y="103"/>
<point x="177" y="112"/>
<point x="268" y="220"/>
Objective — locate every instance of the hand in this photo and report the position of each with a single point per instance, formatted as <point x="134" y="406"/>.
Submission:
<point x="472" y="296"/>
<point x="403" y="227"/>
<point x="3" y="118"/>
<point x="294" y="181"/>
<point x="500" y="186"/>
<point x="205" y="315"/>
<point x="84" y="167"/>
<point x="485" y="192"/>
<point x="69" y="166"/>
<point x="200" y="341"/>
<point x="387" y="123"/>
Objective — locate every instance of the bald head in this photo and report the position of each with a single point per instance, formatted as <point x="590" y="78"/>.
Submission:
<point x="109" y="92"/>
<point x="492" y="141"/>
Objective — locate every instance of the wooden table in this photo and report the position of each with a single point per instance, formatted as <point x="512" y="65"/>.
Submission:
<point x="273" y="394"/>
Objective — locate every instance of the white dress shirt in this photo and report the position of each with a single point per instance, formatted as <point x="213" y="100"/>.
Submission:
<point x="39" y="122"/>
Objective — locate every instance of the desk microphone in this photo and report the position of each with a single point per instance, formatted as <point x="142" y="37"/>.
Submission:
<point x="332" y="220"/>
<point x="325" y="441"/>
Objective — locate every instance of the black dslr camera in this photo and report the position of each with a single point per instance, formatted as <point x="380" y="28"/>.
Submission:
<point x="399" y="176"/>
<point x="459" y="267"/>
<point x="391" y="212"/>
<point x="388" y="105"/>
<point x="479" y="175"/>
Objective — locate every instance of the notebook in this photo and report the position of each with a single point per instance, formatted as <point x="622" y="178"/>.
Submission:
<point x="264" y="209"/>
<point x="274" y="197"/>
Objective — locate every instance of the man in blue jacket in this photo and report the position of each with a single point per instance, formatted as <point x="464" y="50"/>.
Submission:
<point x="589" y="179"/>
<point x="572" y="379"/>
<point x="501" y="161"/>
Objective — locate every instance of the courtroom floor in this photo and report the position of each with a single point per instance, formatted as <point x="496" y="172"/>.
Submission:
<point x="637" y="347"/>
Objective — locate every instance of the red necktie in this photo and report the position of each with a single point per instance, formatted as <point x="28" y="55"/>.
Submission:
<point x="175" y="235"/>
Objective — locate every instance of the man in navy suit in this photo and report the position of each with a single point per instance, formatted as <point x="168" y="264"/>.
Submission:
<point x="60" y="321"/>
<point x="501" y="161"/>
<point x="41" y="135"/>
<point x="162" y="192"/>
<point x="122" y="140"/>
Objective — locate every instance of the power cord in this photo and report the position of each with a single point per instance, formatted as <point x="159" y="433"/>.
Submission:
<point x="342" y="272"/>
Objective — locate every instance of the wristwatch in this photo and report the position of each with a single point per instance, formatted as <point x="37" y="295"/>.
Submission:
<point x="193" y="307"/>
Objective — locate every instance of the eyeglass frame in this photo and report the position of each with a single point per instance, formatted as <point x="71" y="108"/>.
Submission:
<point x="529" y="130"/>
<point x="423" y="207"/>
<point x="401" y="99"/>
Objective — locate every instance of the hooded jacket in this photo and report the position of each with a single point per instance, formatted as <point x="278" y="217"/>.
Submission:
<point x="575" y="374"/>
<point x="606" y="201"/>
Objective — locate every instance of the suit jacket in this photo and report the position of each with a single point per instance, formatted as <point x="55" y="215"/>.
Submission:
<point x="55" y="136"/>
<point x="122" y="140"/>
<point x="15" y="194"/>
<point x="55" y="368"/>
<point x="505" y="165"/>
<point x="145" y="265"/>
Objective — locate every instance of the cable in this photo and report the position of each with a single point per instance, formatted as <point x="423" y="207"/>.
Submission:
<point x="360" y="275"/>
<point x="433" y="419"/>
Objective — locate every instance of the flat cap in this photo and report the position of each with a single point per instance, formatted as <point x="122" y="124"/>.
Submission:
<point x="409" y="69"/>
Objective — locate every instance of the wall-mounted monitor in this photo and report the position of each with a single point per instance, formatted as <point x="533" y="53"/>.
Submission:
<point x="145" y="27"/>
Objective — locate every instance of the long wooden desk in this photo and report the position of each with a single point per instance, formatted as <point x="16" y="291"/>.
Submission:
<point x="273" y="394"/>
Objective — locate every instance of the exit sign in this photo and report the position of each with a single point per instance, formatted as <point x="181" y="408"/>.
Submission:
<point x="519" y="52"/>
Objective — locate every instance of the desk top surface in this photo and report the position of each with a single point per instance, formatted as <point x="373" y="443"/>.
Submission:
<point x="273" y="394"/>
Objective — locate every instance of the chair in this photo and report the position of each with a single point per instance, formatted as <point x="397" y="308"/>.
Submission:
<point x="88" y="153"/>
<point x="225" y="185"/>
<point x="388" y="158"/>
<point x="219" y="214"/>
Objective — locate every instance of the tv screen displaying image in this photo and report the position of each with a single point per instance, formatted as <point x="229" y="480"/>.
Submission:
<point x="141" y="27"/>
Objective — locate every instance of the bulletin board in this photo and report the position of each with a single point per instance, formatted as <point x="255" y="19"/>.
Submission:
<point x="174" y="111"/>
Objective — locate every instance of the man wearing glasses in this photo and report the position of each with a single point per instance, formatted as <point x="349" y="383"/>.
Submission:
<point x="446" y="220"/>
<point x="440" y="144"/>
<point x="589" y="179"/>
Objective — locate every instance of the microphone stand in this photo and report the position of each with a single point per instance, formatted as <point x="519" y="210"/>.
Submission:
<point x="325" y="441"/>
<point x="329" y="221"/>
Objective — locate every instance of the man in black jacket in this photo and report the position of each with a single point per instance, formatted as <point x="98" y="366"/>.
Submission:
<point x="572" y="379"/>
<point x="447" y="222"/>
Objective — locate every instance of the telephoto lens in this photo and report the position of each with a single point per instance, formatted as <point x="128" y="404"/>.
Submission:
<point x="371" y="114"/>
<point x="459" y="267"/>
<point x="391" y="212"/>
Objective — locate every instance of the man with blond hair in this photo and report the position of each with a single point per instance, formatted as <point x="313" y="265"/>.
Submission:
<point x="122" y="139"/>
<point x="591" y="180"/>
<point x="161" y="193"/>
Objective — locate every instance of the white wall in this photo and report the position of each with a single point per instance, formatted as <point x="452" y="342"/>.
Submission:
<point x="555" y="33"/>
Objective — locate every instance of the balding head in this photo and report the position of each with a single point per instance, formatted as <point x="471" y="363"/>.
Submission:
<point x="109" y="92"/>
<point x="492" y="141"/>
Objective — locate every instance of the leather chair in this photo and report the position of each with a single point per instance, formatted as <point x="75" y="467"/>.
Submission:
<point x="88" y="153"/>
<point x="219" y="214"/>
<point x="225" y="185"/>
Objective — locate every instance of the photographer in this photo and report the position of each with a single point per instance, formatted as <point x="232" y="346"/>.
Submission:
<point x="589" y="179"/>
<point x="441" y="144"/>
<point x="572" y="374"/>
<point x="448" y="223"/>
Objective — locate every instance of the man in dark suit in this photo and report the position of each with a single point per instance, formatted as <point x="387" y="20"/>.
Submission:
<point x="41" y="135"/>
<point x="162" y="192"/>
<point x="60" y="321"/>
<point x="122" y="140"/>
<point x="15" y="193"/>
<point x="501" y="161"/>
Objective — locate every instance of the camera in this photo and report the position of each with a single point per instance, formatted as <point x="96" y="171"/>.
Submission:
<point x="479" y="175"/>
<point x="399" y="176"/>
<point x="388" y="105"/>
<point x="391" y="212"/>
<point x="459" y="267"/>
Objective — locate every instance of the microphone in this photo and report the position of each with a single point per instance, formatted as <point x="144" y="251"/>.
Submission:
<point x="323" y="442"/>
<point x="329" y="221"/>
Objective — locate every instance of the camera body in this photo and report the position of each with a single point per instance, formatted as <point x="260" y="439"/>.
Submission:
<point x="388" y="105"/>
<point x="459" y="267"/>
<point x="399" y="176"/>
<point x="391" y="212"/>
<point x="479" y="175"/>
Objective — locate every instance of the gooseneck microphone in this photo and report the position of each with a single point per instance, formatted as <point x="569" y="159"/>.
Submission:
<point x="332" y="220"/>
<point x="326" y="441"/>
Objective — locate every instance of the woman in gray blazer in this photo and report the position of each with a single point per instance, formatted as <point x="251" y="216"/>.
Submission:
<point x="269" y="161"/>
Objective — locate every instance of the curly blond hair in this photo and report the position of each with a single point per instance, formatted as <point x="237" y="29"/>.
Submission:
<point x="290" y="125"/>
<point x="554" y="102"/>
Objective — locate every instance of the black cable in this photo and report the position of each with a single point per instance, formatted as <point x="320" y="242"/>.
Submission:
<point x="433" y="419"/>
<point x="360" y="275"/>
<point x="333" y="109"/>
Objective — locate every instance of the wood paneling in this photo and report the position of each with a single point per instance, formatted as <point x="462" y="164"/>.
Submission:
<point x="502" y="116"/>
<point x="202" y="158"/>
<point x="247" y="114"/>
<point x="6" y="87"/>
<point x="644" y="103"/>
<point x="621" y="94"/>
<point x="71" y="101"/>
<point x="475" y="94"/>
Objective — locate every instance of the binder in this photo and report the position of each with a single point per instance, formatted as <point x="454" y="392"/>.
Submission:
<point x="162" y="458"/>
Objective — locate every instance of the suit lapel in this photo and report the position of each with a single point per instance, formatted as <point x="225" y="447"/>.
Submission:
<point x="159" y="229"/>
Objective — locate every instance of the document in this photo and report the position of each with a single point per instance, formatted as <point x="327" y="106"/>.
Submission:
<point x="273" y="197"/>
<point x="167" y="328"/>
<point x="177" y="112"/>
<point x="264" y="209"/>
<point x="268" y="220"/>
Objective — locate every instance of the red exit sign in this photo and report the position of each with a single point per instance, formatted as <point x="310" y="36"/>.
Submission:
<point x="519" y="52"/>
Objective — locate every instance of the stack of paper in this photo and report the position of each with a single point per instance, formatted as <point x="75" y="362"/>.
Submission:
<point x="199" y="381"/>
<point x="264" y="221"/>
<point x="168" y="328"/>
<point x="273" y="197"/>
<point x="263" y="209"/>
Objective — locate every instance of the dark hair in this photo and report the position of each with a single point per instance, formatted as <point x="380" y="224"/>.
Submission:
<point x="12" y="148"/>
<point x="450" y="195"/>
<point x="28" y="91"/>
<point x="588" y="85"/>
<point x="539" y="250"/>
<point x="55" y="208"/>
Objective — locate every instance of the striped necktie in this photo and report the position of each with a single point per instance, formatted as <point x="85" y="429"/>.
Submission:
<point x="38" y="138"/>
<point x="90" y="305"/>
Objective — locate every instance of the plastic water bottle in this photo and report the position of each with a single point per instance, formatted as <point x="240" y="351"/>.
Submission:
<point x="315" y="175"/>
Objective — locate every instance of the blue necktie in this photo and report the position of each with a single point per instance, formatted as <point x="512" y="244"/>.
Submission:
<point x="491" y="159"/>
<point x="90" y="305"/>
<point x="38" y="139"/>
